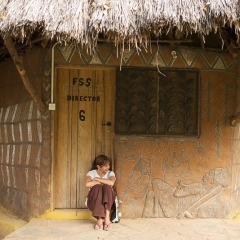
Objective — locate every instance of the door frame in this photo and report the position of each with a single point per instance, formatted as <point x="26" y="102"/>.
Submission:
<point x="53" y="119"/>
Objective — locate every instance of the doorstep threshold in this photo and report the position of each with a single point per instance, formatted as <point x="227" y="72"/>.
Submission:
<point x="69" y="214"/>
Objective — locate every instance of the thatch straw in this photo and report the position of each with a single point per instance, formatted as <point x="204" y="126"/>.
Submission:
<point x="129" y="21"/>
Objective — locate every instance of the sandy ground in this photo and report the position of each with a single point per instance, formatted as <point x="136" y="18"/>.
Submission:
<point x="132" y="229"/>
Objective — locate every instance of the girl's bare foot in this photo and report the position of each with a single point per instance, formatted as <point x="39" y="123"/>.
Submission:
<point x="99" y="224"/>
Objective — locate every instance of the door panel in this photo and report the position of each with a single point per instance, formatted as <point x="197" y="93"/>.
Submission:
<point x="84" y="102"/>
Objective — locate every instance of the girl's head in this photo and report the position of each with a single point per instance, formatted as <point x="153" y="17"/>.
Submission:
<point x="100" y="161"/>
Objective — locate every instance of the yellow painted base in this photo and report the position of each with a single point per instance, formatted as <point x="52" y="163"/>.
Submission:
<point x="237" y="217"/>
<point x="68" y="214"/>
<point x="9" y="223"/>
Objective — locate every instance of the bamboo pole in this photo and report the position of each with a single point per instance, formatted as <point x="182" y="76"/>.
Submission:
<point x="18" y="61"/>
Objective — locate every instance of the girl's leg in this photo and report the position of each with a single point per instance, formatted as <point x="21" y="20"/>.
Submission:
<point x="107" y="222"/>
<point x="107" y="217"/>
<point x="95" y="202"/>
<point x="108" y="199"/>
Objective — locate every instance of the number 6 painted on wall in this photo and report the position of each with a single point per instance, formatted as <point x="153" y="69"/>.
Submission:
<point x="82" y="115"/>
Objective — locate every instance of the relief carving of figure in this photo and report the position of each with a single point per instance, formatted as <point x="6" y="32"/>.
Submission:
<point x="139" y="179"/>
<point x="176" y="166"/>
<point x="185" y="200"/>
<point x="137" y="185"/>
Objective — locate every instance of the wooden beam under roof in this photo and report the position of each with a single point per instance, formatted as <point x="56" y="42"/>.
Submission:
<point x="23" y="73"/>
<point x="228" y="43"/>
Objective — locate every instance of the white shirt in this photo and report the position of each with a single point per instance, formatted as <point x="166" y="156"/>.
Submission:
<point x="93" y="174"/>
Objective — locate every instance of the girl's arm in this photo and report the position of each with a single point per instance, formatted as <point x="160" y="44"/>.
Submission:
<point x="90" y="182"/>
<point x="109" y="181"/>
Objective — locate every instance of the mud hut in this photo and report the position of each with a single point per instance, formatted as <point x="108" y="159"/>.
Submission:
<point x="152" y="84"/>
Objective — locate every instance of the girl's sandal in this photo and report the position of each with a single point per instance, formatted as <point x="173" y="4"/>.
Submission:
<point x="107" y="226"/>
<point x="98" y="226"/>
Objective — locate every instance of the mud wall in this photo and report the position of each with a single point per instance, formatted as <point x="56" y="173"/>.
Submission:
<point x="177" y="177"/>
<point x="235" y="162"/>
<point x="181" y="177"/>
<point x="156" y="176"/>
<point x="25" y="152"/>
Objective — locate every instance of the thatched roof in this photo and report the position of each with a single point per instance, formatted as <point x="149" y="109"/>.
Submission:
<point x="132" y="21"/>
<point x="136" y="22"/>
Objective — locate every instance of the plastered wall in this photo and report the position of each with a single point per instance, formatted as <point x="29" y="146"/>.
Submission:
<point x="25" y="154"/>
<point x="156" y="177"/>
<point x="178" y="177"/>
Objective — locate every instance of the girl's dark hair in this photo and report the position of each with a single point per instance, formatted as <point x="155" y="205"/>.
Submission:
<point x="100" y="160"/>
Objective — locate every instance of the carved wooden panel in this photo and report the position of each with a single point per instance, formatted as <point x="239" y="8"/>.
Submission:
<point x="149" y="102"/>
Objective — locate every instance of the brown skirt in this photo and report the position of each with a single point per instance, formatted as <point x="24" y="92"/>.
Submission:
<point x="100" y="199"/>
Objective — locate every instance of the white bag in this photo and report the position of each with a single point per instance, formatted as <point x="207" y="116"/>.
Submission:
<point x="115" y="214"/>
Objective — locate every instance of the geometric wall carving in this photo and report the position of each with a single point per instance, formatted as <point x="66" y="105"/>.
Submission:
<point x="188" y="56"/>
<point x="158" y="57"/>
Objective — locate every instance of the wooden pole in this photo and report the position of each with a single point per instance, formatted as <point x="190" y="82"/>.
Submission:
<point x="236" y="118"/>
<point x="228" y="44"/>
<point x="18" y="61"/>
<point x="202" y="41"/>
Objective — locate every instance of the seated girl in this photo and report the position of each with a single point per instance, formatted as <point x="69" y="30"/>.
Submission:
<point x="101" y="196"/>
